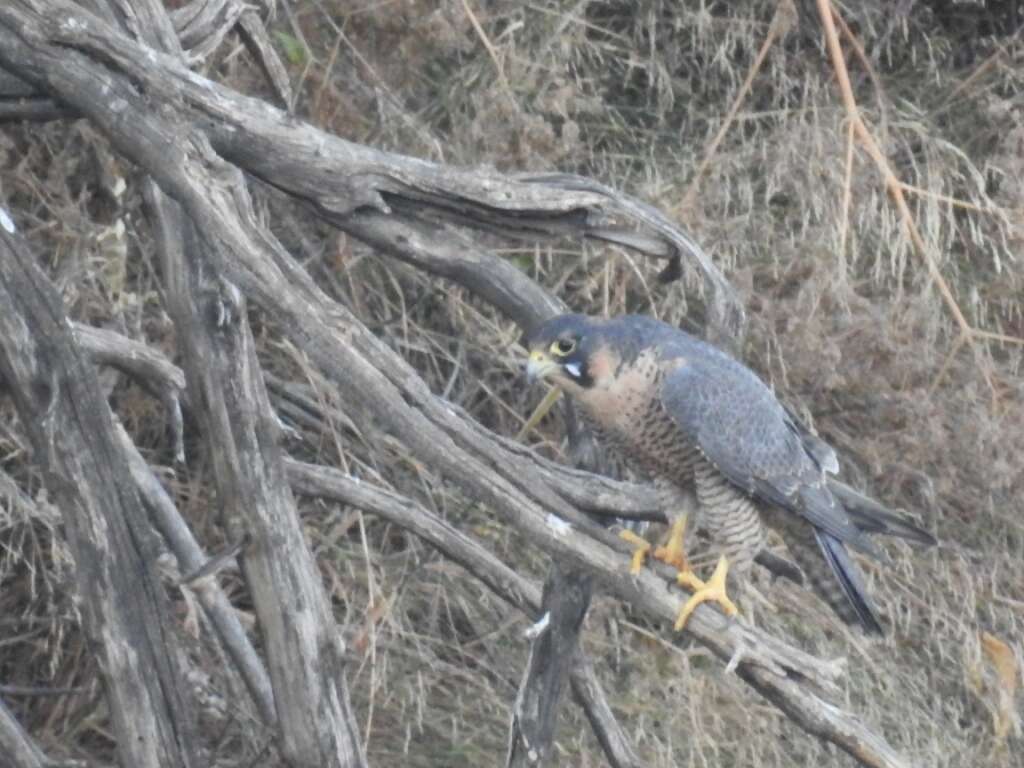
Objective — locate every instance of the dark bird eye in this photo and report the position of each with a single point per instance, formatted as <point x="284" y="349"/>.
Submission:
<point x="563" y="347"/>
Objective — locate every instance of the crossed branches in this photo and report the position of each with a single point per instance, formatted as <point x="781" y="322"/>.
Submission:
<point x="193" y="137"/>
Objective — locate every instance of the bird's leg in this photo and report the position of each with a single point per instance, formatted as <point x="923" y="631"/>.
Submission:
<point x="713" y="589"/>
<point x="672" y="553"/>
<point x="640" y="553"/>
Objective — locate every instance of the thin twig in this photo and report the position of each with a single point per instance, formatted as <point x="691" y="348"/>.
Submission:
<point x="991" y="209"/>
<point x="782" y="21"/>
<point x="895" y="189"/>
<point x="491" y="51"/>
<point x="978" y="72"/>
<point x="223" y="616"/>
<point x="844" y="223"/>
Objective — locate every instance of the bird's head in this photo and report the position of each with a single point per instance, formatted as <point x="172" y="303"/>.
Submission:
<point x="568" y="350"/>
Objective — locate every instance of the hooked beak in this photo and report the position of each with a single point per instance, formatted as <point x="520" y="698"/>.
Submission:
<point x="539" y="366"/>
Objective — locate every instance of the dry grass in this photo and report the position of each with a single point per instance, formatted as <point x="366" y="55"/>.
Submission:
<point x="844" y="321"/>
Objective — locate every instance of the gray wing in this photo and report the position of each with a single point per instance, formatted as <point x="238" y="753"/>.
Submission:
<point x="743" y="430"/>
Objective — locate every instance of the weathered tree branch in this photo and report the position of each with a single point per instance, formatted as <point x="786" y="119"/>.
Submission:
<point x="504" y="582"/>
<point x="144" y="364"/>
<point x="314" y="718"/>
<point x="262" y="49"/>
<point x="305" y="649"/>
<point x="191" y="558"/>
<point x="200" y="27"/>
<point x="149" y="366"/>
<point x="553" y="645"/>
<point x="341" y="178"/>
<point x="20" y="750"/>
<point x="17" y="745"/>
<point x="202" y="24"/>
<point x="124" y="608"/>
<point x="21" y="101"/>
<point x="167" y="381"/>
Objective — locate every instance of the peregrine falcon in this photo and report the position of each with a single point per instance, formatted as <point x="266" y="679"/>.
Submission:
<point x="678" y="408"/>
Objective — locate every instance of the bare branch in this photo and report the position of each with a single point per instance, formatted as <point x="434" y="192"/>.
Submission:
<point x="202" y="24"/>
<point x="17" y="745"/>
<point x="504" y="582"/>
<point x="21" y="101"/>
<point x="315" y="722"/>
<point x="341" y="178"/>
<point x="553" y="645"/>
<point x="124" y="606"/>
<point x="150" y="366"/>
<point x="307" y="667"/>
<point x="586" y="690"/>
<point x="147" y="365"/>
<point x="262" y="49"/>
<point x="191" y="557"/>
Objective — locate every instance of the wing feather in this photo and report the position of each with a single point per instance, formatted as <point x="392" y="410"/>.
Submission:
<point x="743" y="430"/>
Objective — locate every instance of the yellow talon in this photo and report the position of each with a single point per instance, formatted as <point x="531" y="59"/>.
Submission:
<point x="673" y="552"/>
<point x="713" y="589"/>
<point x="640" y="553"/>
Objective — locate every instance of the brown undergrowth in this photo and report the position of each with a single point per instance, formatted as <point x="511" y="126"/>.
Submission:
<point x="845" y="320"/>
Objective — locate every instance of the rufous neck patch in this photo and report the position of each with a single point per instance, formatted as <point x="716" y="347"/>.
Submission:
<point x="602" y="366"/>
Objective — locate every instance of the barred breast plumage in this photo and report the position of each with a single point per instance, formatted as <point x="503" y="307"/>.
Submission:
<point x="640" y="428"/>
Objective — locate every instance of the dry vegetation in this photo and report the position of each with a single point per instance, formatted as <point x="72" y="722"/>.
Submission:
<point x="844" y="320"/>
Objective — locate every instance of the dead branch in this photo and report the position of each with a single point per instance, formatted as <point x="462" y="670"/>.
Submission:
<point x="341" y="179"/>
<point x="553" y="644"/>
<point x="17" y="745"/>
<point x="307" y="668"/>
<point x="201" y="25"/>
<point x="178" y="536"/>
<point x="262" y="49"/>
<point x="314" y="717"/>
<point x="124" y="608"/>
<point x="147" y="366"/>
<point x="21" y="750"/>
<point x="21" y="101"/>
<point x="520" y="593"/>
<point x="135" y="358"/>
<point x="150" y="365"/>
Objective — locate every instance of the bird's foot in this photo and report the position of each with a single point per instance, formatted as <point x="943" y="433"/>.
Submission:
<point x="712" y="590"/>
<point x="643" y="547"/>
<point x="673" y="552"/>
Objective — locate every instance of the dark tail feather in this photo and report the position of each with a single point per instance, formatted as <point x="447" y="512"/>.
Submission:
<point x="871" y="517"/>
<point x="853" y="605"/>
